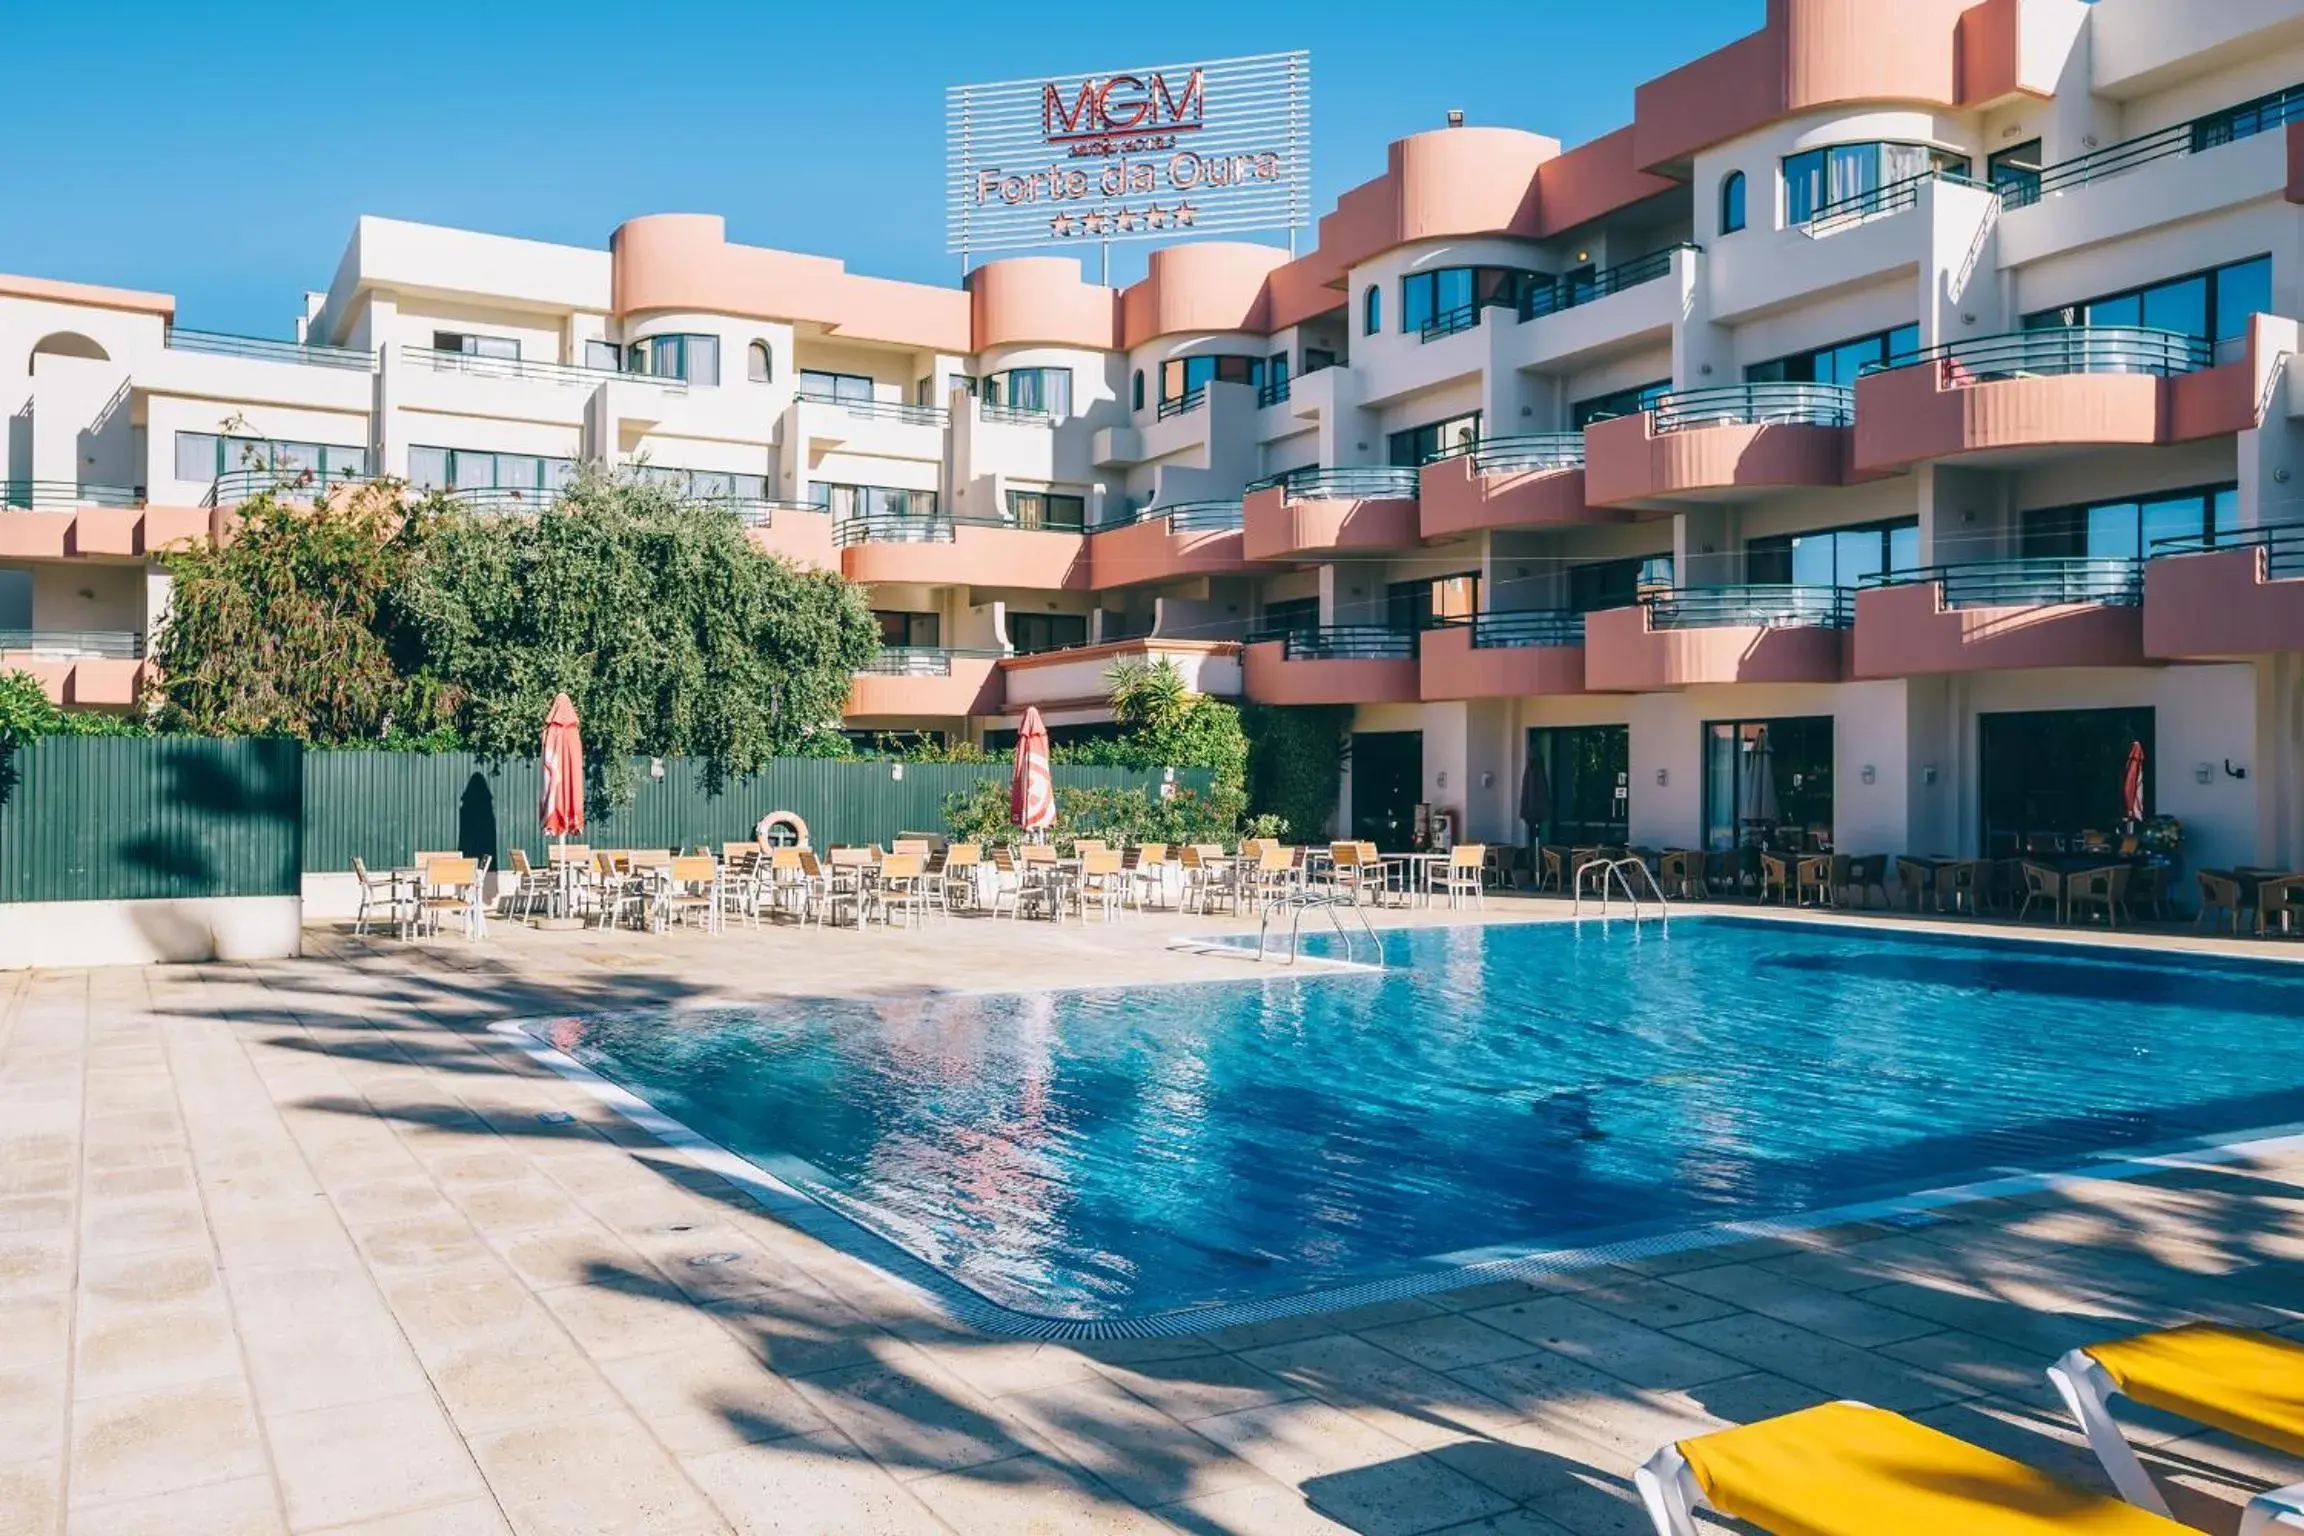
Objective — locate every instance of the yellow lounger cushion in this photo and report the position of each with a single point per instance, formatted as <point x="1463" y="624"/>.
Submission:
<point x="1845" y="1470"/>
<point x="2246" y="1384"/>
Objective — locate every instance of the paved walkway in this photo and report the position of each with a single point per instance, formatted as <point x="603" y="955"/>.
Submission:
<point x="298" y="1246"/>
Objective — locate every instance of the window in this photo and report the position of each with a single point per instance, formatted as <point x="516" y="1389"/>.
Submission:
<point x="202" y="456"/>
<point x="695" y="359"/>
<point x="1276" y="375"/>
<point x="2046" y="776"/>
<point x="707" y="484"/>
<point x="1432" y="604"/>
<point x="2127" y="530"/>
<point x="2015" y="173"/>
<point x="1136" y="391"/>
<point x="845" y="502"/>
<point x="1420" y="445"/>
<point x="2213" y="305"/>
<point x="1372" y="310"/>
<point x="1845" y="177"/>
<point x="1317" y="358"/>
<point x="466" y="469"/>
<point x="759" y="363"/>
<point x="816" y="384"/>
<point x="1047" y="390"/>
<point x="1836" y="557"/>
<point x="505" y="347"/>
<point x="1603" y="584"/>
<point x="1588" y="771"/>
<point x="924" y="392"/>
<point x="1451" y="298"/>
<point x="1293" y="616"/>
<point x="15" y="599"/>
<point x="1181" y="376"/>
<point x="1045" y="509"/>
<point x="1622" y="402"/>
<point x="2248" y="119"/>
<point x="604" y="355"/>
<point x="1732" y="203"/>
<point x="909" y="631"/>
<point x="1768" y="782"/>
<point x="1838" y="363"/>
<point x="1031" y="633"/>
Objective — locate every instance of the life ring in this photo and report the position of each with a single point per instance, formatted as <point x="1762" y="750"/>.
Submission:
<point x="781" y="829"/>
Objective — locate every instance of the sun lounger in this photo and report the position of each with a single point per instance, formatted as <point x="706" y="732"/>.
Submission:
<point x="2244" y="1383"/>
<point x="1846" y="1469"/>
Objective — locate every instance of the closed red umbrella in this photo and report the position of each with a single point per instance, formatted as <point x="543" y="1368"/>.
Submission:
<point x="562" y="806"/>
<point x="1032" y="794"/>
<point x="2132" y="783"/>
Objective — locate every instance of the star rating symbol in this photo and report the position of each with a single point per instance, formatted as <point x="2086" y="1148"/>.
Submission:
<point x="1127" y="219"/>
<point x="1156" y="217"/>
<point x="1060" y="225"/>
<point x="1098" y="222"/>
<point x="1185" y="214"/>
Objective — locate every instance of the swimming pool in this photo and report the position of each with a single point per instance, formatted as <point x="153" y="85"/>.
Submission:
<point x="1139" y="1153"/>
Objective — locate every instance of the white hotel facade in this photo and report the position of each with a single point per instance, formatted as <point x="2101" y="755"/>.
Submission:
<point x="1910" y="386"/>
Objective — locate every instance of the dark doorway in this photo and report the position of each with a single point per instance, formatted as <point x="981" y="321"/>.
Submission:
<point x="1768" y="783"/>
<point x="1587" y="785"/>
<point x="2049" y="775"/>
<point x="1387" y="778"/>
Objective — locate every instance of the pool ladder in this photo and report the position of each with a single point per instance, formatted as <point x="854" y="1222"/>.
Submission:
<point x="1297" y="903"/>
<point x="1613" y="872"/>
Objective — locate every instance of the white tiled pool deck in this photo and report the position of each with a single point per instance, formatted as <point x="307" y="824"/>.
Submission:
<point x="301" y="1246"/>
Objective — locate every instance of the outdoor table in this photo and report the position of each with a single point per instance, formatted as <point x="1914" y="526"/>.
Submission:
<point x="1930" y="868"/>
<point x="1417" y="868"/>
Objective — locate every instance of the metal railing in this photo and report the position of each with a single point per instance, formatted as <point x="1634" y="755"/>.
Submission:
<point x="1361" y="483"/>
<point x="1878" y="202"/>
<point x="1508" y="455"/>
<point x="2210" y="131"/>
<point x="1521" y="631"/>
<point x="1751" y="605"/>
<point x="1016" y="415"/>
<point x="894" y="528"/>
<point x="1198" y="516"/>
<point x="73" y="644"/>
<point x="1764" y="405"/>
<point x="220" y="344"/>
<point x="234" y="486"/>
<point x="1616" y="873"/>
<point x="2037" y="582"/>
<point x="2283" y="548"/>
<point x="2056" y="351"/>
<point x="1272" y="393"/>
<point x="496" y="499"/>
<point x="1568" y="294"/>
<point x="64" y="495"/>
<point x="921" y="660"/>
<point x="1183" y="404"/>
<point x="1348" y="642"/>
<point x="755" y="511"/>
<point x="883" y="410"/>
<point x="440" y="361"/>
<point x="1449" y="321"/>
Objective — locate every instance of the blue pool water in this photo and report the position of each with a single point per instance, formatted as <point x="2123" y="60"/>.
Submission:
<point x="1112" y="1154"/>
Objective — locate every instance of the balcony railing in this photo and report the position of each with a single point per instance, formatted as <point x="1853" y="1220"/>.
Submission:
<point x="473" y="363"/>
<point x="1751" y="606"/>
<point x="1182" y="516"/>
<point x="2056" y="351"/>
<point x="304" y="353"/>
<point x="1875" y="203"/>
<point x="1272" y="393"/>
<point x="755" y="511"/>
<point x="2040" y="582"/>
<point x="1518" y="631"/>
<point x="1570" y="292"/>
<point x="1342" y="642"/>
<point x="1758" y="405"/>
<point x="73" y="644"/>
<point x="894" y="528"/>
<point x="921" y="660"/>
<point x="499" y="499"/>
<point x="1183" y="404"/>
<point x="235" y="486"/>
<point x="1512" y="455"/>
<point x="1016" y="415"/>
<point x="1449" y="321"/>
<point x="2283" y="548"/>
<point x="1364" y="483"/>
<point x="64" y="495"/>
<point x="2226" y="126"/>
<point x="882" y="410"/>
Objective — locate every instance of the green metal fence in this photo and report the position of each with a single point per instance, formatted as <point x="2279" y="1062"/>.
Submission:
<point x="99" y="818"/>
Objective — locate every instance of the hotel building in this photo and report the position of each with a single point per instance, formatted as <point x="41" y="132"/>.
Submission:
<point x="1907" y="386"/>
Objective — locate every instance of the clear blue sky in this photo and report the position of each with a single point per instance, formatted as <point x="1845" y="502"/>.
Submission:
<point x="222" y="153"/>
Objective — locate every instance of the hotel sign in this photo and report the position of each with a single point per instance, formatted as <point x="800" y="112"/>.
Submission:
<point x="1131" y="154"/>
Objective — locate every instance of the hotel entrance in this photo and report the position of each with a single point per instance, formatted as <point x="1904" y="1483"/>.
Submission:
<point x="2049" y="776"/>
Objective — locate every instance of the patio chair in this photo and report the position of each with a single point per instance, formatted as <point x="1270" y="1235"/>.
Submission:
<point x="1551" y="869"/>
<point x="1352" y="869"/>
<point x="843" y="886"/>
<point x="1007" y="879"/>
<point x="1775" y="875"/>
<point x="731" y="852"/>
<point x="1814" y="872"/>
<point x="1958" y="886"/>
<point x="2219" y="892"/>
<point x="904" y="888"/>
<point x="2105" y="888"/>
<point x="1844" y="1468"/>
<point x="781" y="881"/>
<point x="614" y="890"/>
<point x="1209" y="877"/>
<point x="1465" y="874"/>
<point x="1273" y="875"/>
<point x="2281" y="899"/>
<point x="955" y="885"/>
<point x="1149" y="865"/>
<point x="454" y="884"/>
<point x="2148" y="889"/>
<point x="376" y="891"/>
<point x="919" y="847"/>
<point x="1103" y="881"/>
<point x="1866" y="874"/>
<point x="2042" y="884"/>
<point x="2245" y="1383"/>
<point x="1039" y="882"/>
<point x="688" y="887"/>
<point x="1680" y="871"/>
<point x="529" y="886"/>
<point x="743" y="883"/>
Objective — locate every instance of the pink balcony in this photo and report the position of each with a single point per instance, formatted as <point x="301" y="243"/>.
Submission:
<point x="1333" y="666"/>
<point x="2076" y="386"/>
<point x="1504" y="656"/>
<point x="1726" y="444"/>
<point x="941" y="550"/>
<point x="1513" y="482"/>
<point x="2002" y="615"/>
<point x="40" y="521"/>
<point x="945" y="684"/>
<point x="1198" y="538"/>
<point x="795" y="530"/>
<point x="1701" y="635"/>
<point x="2246" y="600"/>
<point x="1314" y="512"/>
<point x="83" y="682"/>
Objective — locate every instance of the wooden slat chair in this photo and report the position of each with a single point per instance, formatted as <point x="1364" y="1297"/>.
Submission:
<point x="688" y="887"/>
<point x="1465" y="874"/>
<point x="454" y="884"/>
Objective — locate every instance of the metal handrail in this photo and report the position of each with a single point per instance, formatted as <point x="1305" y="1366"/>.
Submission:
<point x="1550" y="299"/>
<point x="1016" y="415"/>
<point x="889" y="410"/>
<point x="501" y="498"/>
<point x="1361" y="483"/>
<point x="1516" y="631"/>
<point x="1298" y="902"/>
<point x="1183" y="404"/>
<point x="1349" y="642"/>
<point x="2283" y="547"/>
<point x="1198" y="516"/>
<point x="2038" y="581"/>
<point x="221" y="344"/>
<point x="1506" y="455"/>
<point x="1765" y="405"/>
<point x="2211" y="130"/>
<point x="2056" y="351"/>
<point x="1863" y="207"/>
<point x="440" y="360"/>
<point x="1272" y="393"/>
<point x="896" y="528"/>
<point x="1765" y="605"/>
<point x="1616" y="868"/>
<point x="1462" y="318"/>
<point x="65" y="495"/>
<point x="923" y="660"/>
<point x="755" y="511"/>
<point x="100" y="644"/>
<point x="235" y="486"/>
